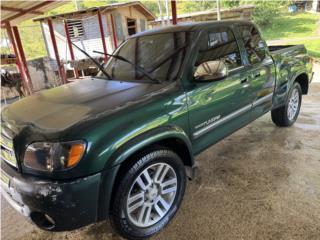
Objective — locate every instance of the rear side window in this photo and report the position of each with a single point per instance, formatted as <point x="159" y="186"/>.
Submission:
<point x="220" y="44"/>
<point x="253" y="43"/>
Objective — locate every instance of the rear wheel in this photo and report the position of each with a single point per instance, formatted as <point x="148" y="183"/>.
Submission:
<point x="285" y="116"/>
<point x="149" y="194"/>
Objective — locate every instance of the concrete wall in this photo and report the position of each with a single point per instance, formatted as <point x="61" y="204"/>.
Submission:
<point x="42" y="75"/>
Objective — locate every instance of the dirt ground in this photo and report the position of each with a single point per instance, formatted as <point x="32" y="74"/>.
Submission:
<point x="262" y="182"/>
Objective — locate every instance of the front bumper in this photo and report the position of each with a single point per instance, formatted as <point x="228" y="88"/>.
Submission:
<point x="55" y="205"/>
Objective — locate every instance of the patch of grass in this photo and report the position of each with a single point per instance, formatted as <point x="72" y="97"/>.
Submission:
<point x="313" y="47"/>
<point x="288" y="27"/>
<point x="296" y="25"/>
<point x="32" y="39"/>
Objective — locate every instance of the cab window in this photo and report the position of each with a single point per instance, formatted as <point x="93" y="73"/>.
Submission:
<point x="219" y="44"/>
<point x="254" y="45"/>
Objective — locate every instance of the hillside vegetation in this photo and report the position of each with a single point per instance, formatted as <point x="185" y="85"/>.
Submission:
<point x="297" y="28"/>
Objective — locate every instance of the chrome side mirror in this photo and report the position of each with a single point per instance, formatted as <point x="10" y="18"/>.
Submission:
<point x="211" y="71"/>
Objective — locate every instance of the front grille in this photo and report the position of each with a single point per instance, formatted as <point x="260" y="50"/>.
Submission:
<point x="7" y="153"/>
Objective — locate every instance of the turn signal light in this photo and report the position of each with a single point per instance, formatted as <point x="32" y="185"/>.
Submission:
<point x="75" y="153"/>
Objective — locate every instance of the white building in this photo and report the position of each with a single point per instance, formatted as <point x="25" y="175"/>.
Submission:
<point x="123" y="19"/>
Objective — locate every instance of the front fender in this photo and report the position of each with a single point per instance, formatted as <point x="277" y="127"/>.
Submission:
<point x="128" y="149"/>
<point x="145" y="139"/>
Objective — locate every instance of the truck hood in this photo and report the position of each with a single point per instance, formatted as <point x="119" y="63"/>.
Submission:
<point x="62" y="107"/>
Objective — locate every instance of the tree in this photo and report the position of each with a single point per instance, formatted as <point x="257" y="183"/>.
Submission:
<point x="265" y="10"/>
<point x="194" y="6"/>
<point x="230" y="3"/>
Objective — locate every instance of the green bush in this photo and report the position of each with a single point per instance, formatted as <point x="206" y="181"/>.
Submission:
<point x="230" y="3"/>
<point x="265" y="11"/>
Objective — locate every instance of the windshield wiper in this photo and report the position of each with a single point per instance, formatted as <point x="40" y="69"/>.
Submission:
<point x="100" y="66"/>
<point x="137" y="67"/>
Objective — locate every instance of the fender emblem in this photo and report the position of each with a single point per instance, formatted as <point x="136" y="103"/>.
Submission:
<point x="209" y="121"/>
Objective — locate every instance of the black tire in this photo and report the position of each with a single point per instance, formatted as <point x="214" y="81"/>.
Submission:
<point x="280" y="115"/>
<point x="119" y="216"/>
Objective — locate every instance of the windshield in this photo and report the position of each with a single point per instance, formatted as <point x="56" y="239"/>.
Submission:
<point x="159" y="55"/>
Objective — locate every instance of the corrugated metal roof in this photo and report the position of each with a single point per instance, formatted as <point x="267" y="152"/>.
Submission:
<point x="19" y="11"/>
<point x="142" y="8"/>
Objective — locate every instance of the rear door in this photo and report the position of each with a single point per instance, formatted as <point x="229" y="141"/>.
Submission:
<point x="218" y="108"/>
<point x="260" y="69"/>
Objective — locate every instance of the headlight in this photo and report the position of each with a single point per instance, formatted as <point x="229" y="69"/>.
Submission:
<point x="48" y="156"/>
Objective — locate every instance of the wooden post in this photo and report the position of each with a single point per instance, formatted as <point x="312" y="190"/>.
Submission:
<point x="114" y="32"/>
<point x="18" y="60"/>
<point x="75" y="70"/>
<point x="22" y="59"/>
<point x="218" y="10"/>
<point x="167" y="12"/>
<point x="160" y="12"/>
<point x="174" y="12"/>
<point x="56" y="53"/>
<point x="103" y="39"/>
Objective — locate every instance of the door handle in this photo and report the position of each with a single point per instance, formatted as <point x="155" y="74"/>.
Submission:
<point x="244" y="80"/>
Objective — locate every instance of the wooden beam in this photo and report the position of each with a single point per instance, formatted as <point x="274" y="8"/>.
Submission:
<point x="22" y="58"/>
<point x="62" y="73"/>
<point x="75" y="70"/>
<point x="114" y="32"/>
<point x="18" y="60"/>
<point x="28" y="10"/>
<point x="174" y="12"/>
<point x="218" y="10"/>
<point x="13" y="9"/>
<point x="103" y="38"/>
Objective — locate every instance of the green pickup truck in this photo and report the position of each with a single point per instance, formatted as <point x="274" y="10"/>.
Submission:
<point x="121" y="145"/>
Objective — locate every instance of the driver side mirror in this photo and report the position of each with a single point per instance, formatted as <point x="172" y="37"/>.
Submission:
<point x="211" y="71"/>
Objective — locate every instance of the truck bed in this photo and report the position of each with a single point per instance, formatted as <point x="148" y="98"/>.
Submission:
<point x="278" y="49"/>
<point x="289" y="60"/>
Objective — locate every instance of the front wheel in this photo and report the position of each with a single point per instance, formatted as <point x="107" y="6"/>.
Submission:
<point x="285" y="116"/>
<point x="149" y="194"/>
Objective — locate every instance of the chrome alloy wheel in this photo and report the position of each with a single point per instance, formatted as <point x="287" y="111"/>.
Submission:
<point x="152" y="195"/>
<point x="293" y="104"/>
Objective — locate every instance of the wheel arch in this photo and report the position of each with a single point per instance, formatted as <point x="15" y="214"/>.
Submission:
<point x="303" y="80"/>
<point x="171" y="137"/>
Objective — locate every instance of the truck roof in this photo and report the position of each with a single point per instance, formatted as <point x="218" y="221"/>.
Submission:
<point x="185" y="27"/>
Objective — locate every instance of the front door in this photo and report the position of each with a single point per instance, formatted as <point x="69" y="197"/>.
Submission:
<point x="219" y="107"/>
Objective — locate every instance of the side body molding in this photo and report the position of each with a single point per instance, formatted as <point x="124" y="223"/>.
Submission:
<point x="148" y="138"/>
